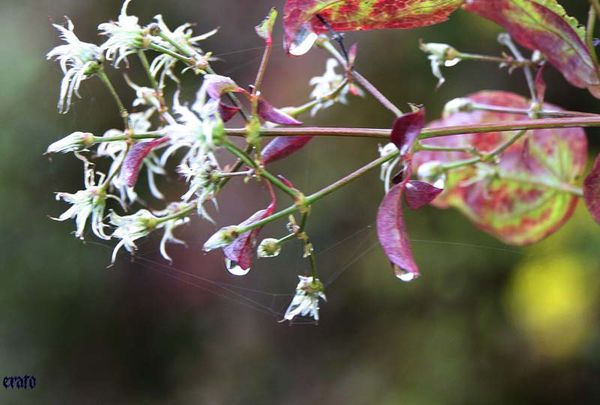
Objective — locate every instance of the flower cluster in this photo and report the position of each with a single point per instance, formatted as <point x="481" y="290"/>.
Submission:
<point x="189" y="135"/>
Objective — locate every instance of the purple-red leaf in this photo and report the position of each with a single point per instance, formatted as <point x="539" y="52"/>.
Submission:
<point x="239" y="253"/>
<point x="419" y="194"/>
<point x="406" y="130"/>
<point x="227" y="112"/>
<point x="302" y="25"/>
<point x="591" y="191"/>
<point x="283" y="146"/>
<point x="392" y="235"/>
<point x="545" y="26"/>
<point x="134" y="159"/>
<point x="271" y="114"/>
<point x="530" y="193"/>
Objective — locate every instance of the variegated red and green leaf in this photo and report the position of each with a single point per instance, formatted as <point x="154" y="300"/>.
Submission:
<point x="302" y="25"/>
<point x="529" y="201"/>
<point x="544" y="25"/>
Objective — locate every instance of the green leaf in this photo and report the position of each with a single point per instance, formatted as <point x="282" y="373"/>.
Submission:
<point x="545" y="26"/>
<point x="515" y="207"/>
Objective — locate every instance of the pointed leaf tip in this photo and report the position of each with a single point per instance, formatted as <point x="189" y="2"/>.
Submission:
<point x="271" y="114"/>
<point x="391" y="231"/>
<point x="406" y="130"/>
<point x="419" y="194"/>
<point x="282" y="147"/>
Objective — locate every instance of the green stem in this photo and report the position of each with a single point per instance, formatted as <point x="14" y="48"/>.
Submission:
<point x="506" y="40"/>
<point x="178" y="215"/>
<point x="243" y="156"/>
<point x="311" y="199"/>
<point x="162" y="49"/>
<point x="117" y="138"/>
<point x="596" y="5"/>
<point x="522" y="111"/>
<point x="146" y="66"/>
<point x="496" y="59"/>
<point x="122" y="110"/>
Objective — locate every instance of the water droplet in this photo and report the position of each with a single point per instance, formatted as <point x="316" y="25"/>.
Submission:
<point x="234" y="269"/>
<point x="406" y="276"/>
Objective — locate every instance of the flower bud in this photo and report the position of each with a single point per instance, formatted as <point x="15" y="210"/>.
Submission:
<point x="269" y="248"/>
<point x="72" y="143"/>
<point x="224" y="237"/>
<point x="457" y="105"/>
<point x="433" y="173"/>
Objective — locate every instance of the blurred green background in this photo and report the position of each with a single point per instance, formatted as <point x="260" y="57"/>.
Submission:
<point x="486" y="323"/>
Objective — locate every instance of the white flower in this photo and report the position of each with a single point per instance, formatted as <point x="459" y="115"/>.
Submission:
<point x="78" y="60"/>
<point x="325" y="85"/>
<point x="169" y="227"/>
<point x="432" y="172"/>
<point x="306" y="300"/>
<point x="144" y="96"/>
<point x="183" y="36"/>
<point x="131" y="228"/>
<point x="115" y="151"/>
<point x="74" y="142"/>
<point x="269" y="247"/>
<point x="440" y="55"/>
<point x="90" y="201"/>
<point x="199" y="173"/>
<point x="125" y="36"/>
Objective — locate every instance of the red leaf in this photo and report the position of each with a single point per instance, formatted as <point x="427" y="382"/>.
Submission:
<point x="418" y="194"/>
<point x="271" y="114"/>
<point x="134" y="159"/>
<point x="591" y="191"/>
<point x="240" y="251"/>
<point x="545" y="26"/>
<point x="283" y="146"/>
<point x="514" y="207"/>
<point x="227" y="112"/>
<point x="392" y="235"/>
<point x="406" y="130"/>
<point x="302" y="25"/>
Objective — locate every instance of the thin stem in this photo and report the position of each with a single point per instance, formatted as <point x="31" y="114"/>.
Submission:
<point x="235" y="174"/>
<point x="596" y="5"/>
<point x="360" y="79"/>
<point x="117" y="138"/>
<point x="311" y="199"/>
<point x="522" y="111"/>
<point x="506" y="40"/>
<point x="262" y="68"/>
<point x="591" y="27"/>
<point x="420" y="147"/>
<point x="502" y="60"/>
<point x="146" y="66"/>
<point x="426" y="133"/>
<point x="311" y="104"/>
<point x="243" y="156"/>
<point x="122" y="110"/>
<point x="117" y="170"/>
<point x="178" y="215"/>
<point x="162" y="49"/>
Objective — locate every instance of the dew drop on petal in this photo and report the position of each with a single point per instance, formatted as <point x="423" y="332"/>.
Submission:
<point x="235" y="269"/>
<point x="406" y="276"/>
